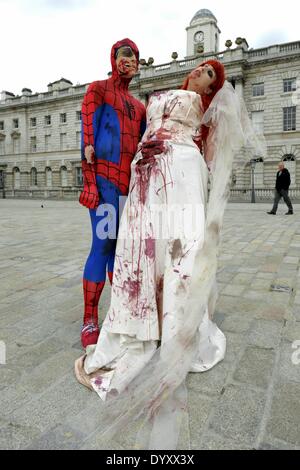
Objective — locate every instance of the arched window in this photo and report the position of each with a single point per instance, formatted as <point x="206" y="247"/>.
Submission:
<point x="48" y="177"/>
<point x="290" y="164"/>
<point x="33" y="177"/>
<point x="16" y="178"/>
<point x="289" y="157"/>
<point x="64" y="176"/>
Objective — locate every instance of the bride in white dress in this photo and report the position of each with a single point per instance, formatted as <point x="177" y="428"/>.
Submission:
<point x="159" y="325"/>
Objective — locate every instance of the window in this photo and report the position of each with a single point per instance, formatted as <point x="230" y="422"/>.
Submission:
<point x="289" y="118"/>
<point x="32" y="144"/>
<point x="64" y="176"/>
<point x="2" y="176"/>
<point x="289" y="157"/>
<point x="259" y="173"/>
<point x="16" y="145"/>
<point x="290" y="164"/>
<point x="289" y="85"/>
<point x="33" y="122"/>
<point x="16" y="178"/>
<point x="79" y="177"/>
<point x="78" y="115"/>
<point x="47" y="142"/>
<point x="1" y="125"/>
<point x="16" y="123"/>
<point x="258" y="121"/>
<point x="258" y="89"/>
<point x="78" y="139"/>
<point x="63" y="118"/>
<point x="2" y="147"/>
<point x="33" y="177"/>
<point x="48" y="120"/>
<point x="48" y="177"/>
<point x="63" y="140"/>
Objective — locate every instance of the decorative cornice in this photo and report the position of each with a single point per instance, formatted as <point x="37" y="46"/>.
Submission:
<point x="15" y="134"/>
<point x="260" y="106"/>
<point x="287" y="102"/>
<point x="289" y="74"/>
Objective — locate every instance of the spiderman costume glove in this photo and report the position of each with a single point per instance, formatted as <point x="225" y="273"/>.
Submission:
<point x="90" y="195"/>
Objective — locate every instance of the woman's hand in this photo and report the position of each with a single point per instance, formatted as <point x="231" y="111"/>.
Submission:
<point x="89" y="154"/>
<point x="209" y="166"/>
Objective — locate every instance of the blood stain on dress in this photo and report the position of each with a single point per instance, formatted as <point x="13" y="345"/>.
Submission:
<point x="132" y="288"/>
<point x="176" y="250"/>
<point x="150" y="248"/>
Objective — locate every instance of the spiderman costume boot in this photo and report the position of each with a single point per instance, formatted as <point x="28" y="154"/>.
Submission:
<point x="90" y="329"/>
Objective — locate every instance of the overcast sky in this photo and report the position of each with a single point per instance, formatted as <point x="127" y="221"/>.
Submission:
<point x="44" y="40"/>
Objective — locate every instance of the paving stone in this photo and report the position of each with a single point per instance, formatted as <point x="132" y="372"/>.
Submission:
<point x="199" y="410"/>
<point x="60" y="438"/>
<point x="211" y="381"/>
<point x="212" y="441"/>
<point x="291" y="331"/>
<point x="255" y="367"/>
<point x="237" y="322"/>
<point x="284" y="417"/>
<point x="238" y="414"/>
<point x="243" y="279"/>
<point x="95" y="442"/>
<point x="262" y="275"/>
<point x="234" y="290"/>
<point x="288" y="370"/>
<point x="16" y="437"/>
<point x="8" y="376"/>
<point x="296" y="312"/>
<point x="270" y="443"/>
<point x="52" y="407"/>
<point x="235" y="344"/>
<point x="265" y="333"/>
<point x="13" y="397"/>
<point x="89" y="418"/>
<point x="34" y="356"/>
<point x="260" y="284"/>
<point x="49" y="372"/>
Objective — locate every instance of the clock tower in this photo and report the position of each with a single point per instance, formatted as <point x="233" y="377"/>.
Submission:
<point x="203" y="31"/>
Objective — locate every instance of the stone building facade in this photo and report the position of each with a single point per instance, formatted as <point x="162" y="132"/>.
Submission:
<point x="40" y="142"/>
<point x="40" y="133"/>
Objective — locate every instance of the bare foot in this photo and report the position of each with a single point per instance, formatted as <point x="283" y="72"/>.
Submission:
<point x="80" y="373"/>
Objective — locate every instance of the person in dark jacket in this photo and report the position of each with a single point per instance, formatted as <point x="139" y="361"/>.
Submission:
<point x="283" y="181"/>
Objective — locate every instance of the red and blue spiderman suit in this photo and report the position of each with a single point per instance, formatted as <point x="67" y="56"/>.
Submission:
<point x="113" y="122"/>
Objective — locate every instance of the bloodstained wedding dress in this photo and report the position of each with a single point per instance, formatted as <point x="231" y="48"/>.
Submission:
<point x="159" y="325"/>
<point x="155" y="254"/>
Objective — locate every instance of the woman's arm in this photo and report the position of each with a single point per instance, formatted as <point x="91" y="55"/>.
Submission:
<point x="209" y="147"/>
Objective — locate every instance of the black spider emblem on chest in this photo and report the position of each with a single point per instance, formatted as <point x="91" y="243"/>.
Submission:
<point x="129" y="109"/>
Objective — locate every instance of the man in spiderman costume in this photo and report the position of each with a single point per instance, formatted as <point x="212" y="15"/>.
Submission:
<point x="113" y="122"/>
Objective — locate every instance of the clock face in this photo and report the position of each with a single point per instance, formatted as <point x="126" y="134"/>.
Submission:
<point x="199" y="36"/>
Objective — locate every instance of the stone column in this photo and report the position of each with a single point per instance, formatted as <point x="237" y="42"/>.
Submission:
<point x="239" y="86"/>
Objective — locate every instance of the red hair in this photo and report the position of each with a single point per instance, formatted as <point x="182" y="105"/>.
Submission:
<point x="215" y="87"/>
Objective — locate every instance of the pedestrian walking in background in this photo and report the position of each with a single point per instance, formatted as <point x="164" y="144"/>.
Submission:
<point x="283" y="181"/>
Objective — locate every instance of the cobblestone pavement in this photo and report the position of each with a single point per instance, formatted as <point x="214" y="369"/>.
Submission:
<point x="250" y="400"/>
